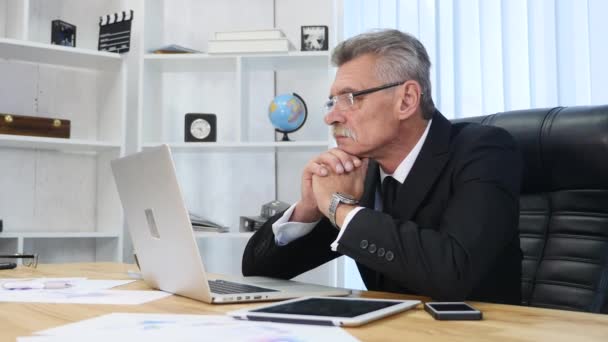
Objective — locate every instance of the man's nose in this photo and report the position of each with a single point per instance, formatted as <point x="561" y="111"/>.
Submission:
<point x="334" y="116"/>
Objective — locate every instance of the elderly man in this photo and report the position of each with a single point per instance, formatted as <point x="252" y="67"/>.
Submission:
<point x="422" y="205"/>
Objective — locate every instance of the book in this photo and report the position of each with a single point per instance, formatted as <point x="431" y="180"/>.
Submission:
<point x="202" y="224"/>
<point x="249" y="35"/>
<point x="248" y="45"/>
<point x="173" y="48"/>
<point x="198" y="228"/>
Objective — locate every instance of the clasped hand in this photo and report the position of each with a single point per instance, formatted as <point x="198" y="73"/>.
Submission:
<point x="329" y="172"/>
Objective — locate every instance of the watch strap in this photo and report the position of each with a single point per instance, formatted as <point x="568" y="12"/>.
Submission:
<point x="336" y="199"/>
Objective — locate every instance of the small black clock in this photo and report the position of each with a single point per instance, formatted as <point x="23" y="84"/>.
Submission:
<point x="200" y="127"/>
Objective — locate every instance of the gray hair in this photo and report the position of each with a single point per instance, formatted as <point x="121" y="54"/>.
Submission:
<point x="401" y="57"/>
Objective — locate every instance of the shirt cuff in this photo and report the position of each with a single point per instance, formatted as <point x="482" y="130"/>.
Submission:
<point x="349" y="216"/>
<point x="286" y="232"/>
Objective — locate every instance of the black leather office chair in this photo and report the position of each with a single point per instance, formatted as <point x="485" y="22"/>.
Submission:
<point x="564" y="204"/>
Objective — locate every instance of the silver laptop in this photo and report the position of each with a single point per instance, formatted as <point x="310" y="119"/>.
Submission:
<point x="164" y="241"/>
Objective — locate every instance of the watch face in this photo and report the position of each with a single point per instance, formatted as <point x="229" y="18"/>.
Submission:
<point x="200" y="128"/>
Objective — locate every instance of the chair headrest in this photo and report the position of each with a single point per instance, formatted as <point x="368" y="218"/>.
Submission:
<point x="563" y="148"/>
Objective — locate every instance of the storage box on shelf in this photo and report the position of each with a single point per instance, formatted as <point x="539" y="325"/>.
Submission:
<point x="59" y="198"/>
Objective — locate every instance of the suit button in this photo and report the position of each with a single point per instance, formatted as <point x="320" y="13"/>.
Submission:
<point x="372" y="248"/>
<point x="390" y="256"/>
<point x="363" y="244"/>
<point x="381" y="252"/>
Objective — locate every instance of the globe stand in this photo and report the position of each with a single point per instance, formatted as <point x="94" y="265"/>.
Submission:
<point x="285" y="137"/>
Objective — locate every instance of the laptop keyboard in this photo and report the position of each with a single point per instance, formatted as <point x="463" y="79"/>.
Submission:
<point x="227" y="287"/>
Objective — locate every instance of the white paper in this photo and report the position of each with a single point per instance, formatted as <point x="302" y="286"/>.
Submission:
<point x="185" y="328"/>
<point x="72" y="281"/>
<point x="72" y="296"/>
<point x="81" y="291"/>
<point x="99" y="284"/>
<point x="77" y="283"/>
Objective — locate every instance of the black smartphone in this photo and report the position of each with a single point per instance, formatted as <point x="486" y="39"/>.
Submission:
<point x="452" y="311"/>
<point x="7" y="265"/>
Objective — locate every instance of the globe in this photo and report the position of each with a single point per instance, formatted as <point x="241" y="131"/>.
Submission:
<point x="287" y="113"/>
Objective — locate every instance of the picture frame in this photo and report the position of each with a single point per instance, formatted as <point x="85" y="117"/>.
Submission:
<point x="314" y="38"/>
<point x="63" y="33"/>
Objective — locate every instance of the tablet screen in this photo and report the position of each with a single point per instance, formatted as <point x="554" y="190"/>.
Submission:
<point x="329" y="307"/>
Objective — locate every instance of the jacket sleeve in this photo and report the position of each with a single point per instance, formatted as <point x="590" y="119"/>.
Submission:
<point x="263" y="257"/>
<point x="480" y="220"/>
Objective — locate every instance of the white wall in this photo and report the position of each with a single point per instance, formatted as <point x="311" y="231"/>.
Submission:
<point x="3" y="11"/>
<point x="84" y="14"/>
<point x="43" y="190"/>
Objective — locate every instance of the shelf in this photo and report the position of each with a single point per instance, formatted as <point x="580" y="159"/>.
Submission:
<point x="20" y="50"/>
<point x="291" y="60"/>
<point x="228" y="62"/>
<point x="189" y="62"/>
<point x="238" y="147"/>
<point x="58" y="235"/>
<point x="241" y="235"/>
<point x="72" y="145"/>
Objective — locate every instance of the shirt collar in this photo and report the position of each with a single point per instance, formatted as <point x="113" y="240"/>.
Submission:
<point x="407" y="163"/>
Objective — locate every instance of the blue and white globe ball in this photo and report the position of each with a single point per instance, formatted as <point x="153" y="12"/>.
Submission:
<point x="287" y="113"/>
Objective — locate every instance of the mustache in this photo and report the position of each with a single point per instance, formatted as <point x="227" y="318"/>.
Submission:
<point x="341" y="131"/>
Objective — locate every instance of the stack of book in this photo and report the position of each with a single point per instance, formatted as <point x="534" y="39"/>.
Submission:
<point x="201" y="224"/>
<point x="173" y="49"/>
<point x="272" y="40"/>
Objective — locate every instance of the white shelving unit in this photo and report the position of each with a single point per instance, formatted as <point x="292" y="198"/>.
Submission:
<point x="44" y="53"/>
<point x="58" y="197"/>
<point x="247" y="166"/>
<point x="227" y="62"/>
<point x="239" y="147"/>
<point x="63" y="145"/>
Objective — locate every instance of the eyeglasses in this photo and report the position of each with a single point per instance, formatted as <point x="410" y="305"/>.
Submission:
<point x="347" y="101"/>
<point x="28" y="260"/>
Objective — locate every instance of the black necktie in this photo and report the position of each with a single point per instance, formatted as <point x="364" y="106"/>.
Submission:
<point x="389" y="193"/>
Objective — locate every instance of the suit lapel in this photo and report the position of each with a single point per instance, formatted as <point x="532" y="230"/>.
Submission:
<point x="427" y="167"/>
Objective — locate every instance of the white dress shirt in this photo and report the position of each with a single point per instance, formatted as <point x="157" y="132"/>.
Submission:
<point x="286" y="232"/>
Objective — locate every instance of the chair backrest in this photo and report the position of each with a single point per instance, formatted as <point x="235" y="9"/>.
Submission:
<point x="564" y="204"/>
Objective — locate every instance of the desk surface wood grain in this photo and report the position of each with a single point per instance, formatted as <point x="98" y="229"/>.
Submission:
<point x="500" y="323"/>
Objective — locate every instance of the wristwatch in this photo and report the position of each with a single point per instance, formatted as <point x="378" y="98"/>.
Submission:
<point x="336" y="199"/>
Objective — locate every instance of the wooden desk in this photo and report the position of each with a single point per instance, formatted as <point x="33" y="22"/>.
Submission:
<point x="501" y="322"/>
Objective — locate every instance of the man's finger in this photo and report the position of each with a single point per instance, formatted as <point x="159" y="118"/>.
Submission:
<point x="318" y="169"/>
<point x="349" y="161"/>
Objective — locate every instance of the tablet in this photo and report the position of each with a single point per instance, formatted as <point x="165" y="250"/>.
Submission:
<point x="326" y="310"/>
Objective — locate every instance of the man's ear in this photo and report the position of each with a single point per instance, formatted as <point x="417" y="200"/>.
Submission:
<point x="410" y="96"/>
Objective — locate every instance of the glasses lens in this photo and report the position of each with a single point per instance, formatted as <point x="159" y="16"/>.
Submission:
<point x="340" y="102"/>
<point x="329" y="105"/>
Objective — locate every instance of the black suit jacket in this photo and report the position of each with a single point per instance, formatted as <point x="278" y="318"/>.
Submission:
<point x="453" y="233"/>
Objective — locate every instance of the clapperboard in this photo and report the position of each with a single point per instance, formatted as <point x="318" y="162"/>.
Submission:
<point x="115" y="32"/>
